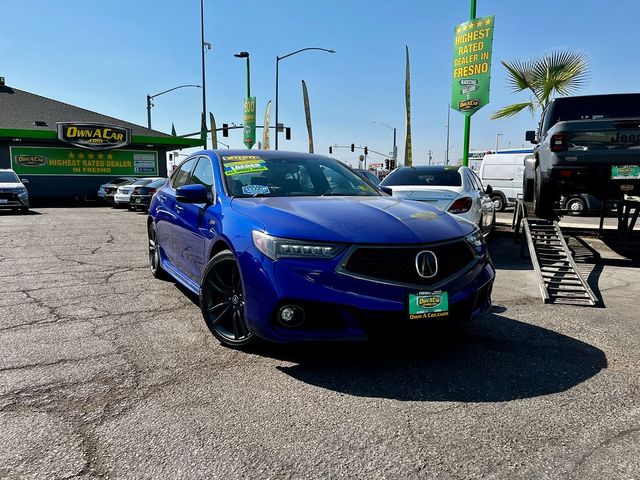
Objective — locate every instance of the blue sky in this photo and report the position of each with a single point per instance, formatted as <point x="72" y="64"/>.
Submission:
<point x="107" y="56"/>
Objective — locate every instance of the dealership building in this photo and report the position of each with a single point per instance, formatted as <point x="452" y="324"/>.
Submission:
<point x="67" y="152"/>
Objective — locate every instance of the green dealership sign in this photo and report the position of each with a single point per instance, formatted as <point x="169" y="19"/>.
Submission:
<point x="77" y="161"/>
<point x="250" y="121"/>
<point x="472" y="65"/>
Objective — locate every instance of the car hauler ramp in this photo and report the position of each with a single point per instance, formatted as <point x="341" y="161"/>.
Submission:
<point x="558" y="276"/>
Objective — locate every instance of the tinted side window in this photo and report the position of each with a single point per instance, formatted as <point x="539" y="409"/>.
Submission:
<point x="202" y="173"/>
<point x="181" y="176"/>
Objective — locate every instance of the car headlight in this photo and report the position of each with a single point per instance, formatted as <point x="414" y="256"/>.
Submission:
<point x="476" y="240"/>
<point x="275" y="247"/>
<point x="21" y="191"/>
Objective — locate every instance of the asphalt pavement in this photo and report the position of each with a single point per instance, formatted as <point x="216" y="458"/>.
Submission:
<point x="106" y="372"/>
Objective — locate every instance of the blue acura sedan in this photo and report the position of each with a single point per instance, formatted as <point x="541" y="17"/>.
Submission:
<point x="289" y="246"/>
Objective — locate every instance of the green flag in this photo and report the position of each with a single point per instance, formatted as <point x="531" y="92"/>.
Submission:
<point x="307" y="114"/>
<point x="173" y="130"/>
<point x="249" y="121"/>
<point x="407" y="93"/>
<point x="214" y="133"/>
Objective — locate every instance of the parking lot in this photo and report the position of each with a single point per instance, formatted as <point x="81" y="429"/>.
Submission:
<point x="107" y="372"/>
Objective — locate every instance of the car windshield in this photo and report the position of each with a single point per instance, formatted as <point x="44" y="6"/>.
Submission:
<point x="424" y="176"/>
<point x="8" y="177"/>
<point x="253" y="176"/>
<point x="142" y="181"/>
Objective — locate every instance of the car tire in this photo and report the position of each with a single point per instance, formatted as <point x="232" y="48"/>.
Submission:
<point x="222" y="301"/>
<point x="499" y="202"/>
<point x="542" y="197"/>
<point x="24" y="210"/>
<point x="154" y="253"/>
<point x="575" y="206"/>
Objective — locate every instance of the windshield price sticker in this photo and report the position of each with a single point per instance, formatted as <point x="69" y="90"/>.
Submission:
<point x="427" y="305"/>
<point x="625" y="172"/>
<point x="247" y="166"/>
<point x="255" y="190"/>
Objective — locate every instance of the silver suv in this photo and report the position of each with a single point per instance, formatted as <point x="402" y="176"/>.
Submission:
<point x="13" y="193"/>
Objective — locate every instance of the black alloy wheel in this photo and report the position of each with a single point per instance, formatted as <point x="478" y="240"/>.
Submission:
<point x="542" y="197"/>
<point x="222" y="301"/>
<point x="154" y="253"/>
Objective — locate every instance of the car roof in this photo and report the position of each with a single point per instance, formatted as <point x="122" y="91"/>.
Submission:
<point x="224" y="152"/>
<point x="433" y="168"/>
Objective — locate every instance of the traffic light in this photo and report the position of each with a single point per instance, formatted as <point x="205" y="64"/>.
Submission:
<point x="287" y="133"/>
<point x="366" y="151"/>
<point x="392" y="164"/>
<point x="330" y="150"/>
<point x="353" y="147"/>
<point x="225" y="129"/>
<point x="386" y="164"/>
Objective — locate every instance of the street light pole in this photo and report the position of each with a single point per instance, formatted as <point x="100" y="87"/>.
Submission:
<point x="497" y="135"/>
<point x="395" y="149"/>
<point x="246" y="55"/>
<point x="151" y="97"/>
<point x="277" y="68"/>
<point x="448" y="121"/>
<point x="203" y="46"/>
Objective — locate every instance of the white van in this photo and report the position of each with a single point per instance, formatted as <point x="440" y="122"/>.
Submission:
<point x="504" y="172"/>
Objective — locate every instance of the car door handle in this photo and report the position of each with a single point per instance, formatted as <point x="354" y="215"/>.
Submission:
<point x="179" y="208"/>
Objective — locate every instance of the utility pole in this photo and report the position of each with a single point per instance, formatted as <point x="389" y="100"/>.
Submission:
<point x="448" y="122"/>
<point x="430" y="157"/>
<point x="203" y="46"/>
<point x="467" y="118"/>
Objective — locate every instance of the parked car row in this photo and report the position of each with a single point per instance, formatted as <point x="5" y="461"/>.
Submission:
<point x="13" y="191"/>
<point x="130" y="192"/>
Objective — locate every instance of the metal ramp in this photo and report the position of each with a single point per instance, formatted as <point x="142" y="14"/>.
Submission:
<point x="558" y="276"/>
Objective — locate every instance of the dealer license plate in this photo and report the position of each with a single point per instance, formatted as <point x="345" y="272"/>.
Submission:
<point x="3" y="200"/>
<point x="426" y="305"/>
<point x="625" y="172"/>
<point x="137" y="200"/>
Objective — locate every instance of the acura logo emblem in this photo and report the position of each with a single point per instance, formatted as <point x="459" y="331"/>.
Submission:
<point x="426" y="264"/>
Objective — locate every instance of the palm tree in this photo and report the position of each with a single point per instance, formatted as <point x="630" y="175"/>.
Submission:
<point x="557" y="73"/>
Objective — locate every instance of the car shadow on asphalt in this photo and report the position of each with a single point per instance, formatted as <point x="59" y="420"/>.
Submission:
<point x="496" y="359"/>
<point x="18" y="214"/>
<point x="506" y="254"/>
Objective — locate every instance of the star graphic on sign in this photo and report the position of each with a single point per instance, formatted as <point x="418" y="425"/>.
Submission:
<point x="458" y="30"/>
<point x="487" y="21"/>
<point x="81" y="155"/>
<point x="91" y="155"/>
<point x="479" y="24"/>
<point x="100" y="156"/>
<point x="71" y="155"/>
<point x="110" y="157"/>
<point x="464" y="27"/>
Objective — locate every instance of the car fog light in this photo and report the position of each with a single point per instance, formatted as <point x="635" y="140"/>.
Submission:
<point x="291" y="316"/>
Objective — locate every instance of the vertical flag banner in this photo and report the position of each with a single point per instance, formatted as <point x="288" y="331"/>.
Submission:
<point x="472" y="47"/>
<point x="173" y="130"/>
<point x="407" y="93"/>
<point x="214" y="133"/>
<point x="307" y="114"/>
<point x="249" y="121"/>
<point x="266" y="134"/>
<point x="203" y="131"/>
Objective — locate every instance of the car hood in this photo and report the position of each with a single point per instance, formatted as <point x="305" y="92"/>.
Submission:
<point x="11" y="185"/>
<point x="437" y="196"/>
<point x="352" y="219"/>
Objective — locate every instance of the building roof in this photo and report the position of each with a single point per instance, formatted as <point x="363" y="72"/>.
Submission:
<point x="20" y="110"/>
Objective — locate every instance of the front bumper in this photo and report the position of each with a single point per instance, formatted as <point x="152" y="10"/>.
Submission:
<point x="341" y="307"/>
<point x="13" y="200"/>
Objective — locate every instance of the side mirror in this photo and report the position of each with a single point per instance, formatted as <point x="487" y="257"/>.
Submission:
<point x="24" y="181"/>
<point x="530" y="136"/>
<point x="386" y="190"/>
<point x="488" y="190"/>
<point x="196" y="193"/>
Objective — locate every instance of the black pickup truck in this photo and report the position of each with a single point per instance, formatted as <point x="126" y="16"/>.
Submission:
<point x="588" y="144"/>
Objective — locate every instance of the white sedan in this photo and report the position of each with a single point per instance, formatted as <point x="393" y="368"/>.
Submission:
<point x="454" y="189"/>
<point x="122" y="196"/>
